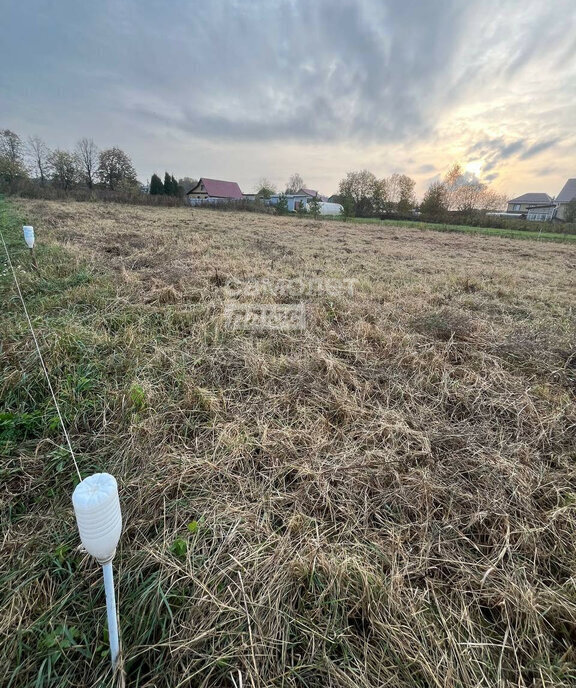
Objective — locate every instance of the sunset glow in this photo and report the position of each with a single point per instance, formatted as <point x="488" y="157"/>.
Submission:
<point x="247" y="90"/>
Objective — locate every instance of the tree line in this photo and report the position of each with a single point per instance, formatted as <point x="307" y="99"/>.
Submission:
<point x="31" y="163"/>
<point x="362" y="194"/>
<point x="170" y="187"/>
<point x="461" y="193"/>
<point x="85" y="166"/>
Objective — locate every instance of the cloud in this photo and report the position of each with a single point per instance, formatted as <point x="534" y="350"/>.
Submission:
<point x="307" y="71"/>
<point x="234" y="85"/>
<point x="497" y="149"/>
<point x="546" y="171"/>
<point x="538" y="148"/>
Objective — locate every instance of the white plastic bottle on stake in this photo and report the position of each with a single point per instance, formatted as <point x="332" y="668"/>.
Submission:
<point x="97" y="508"/>
<point x="30" y="241"/>
<point x="28" y="236"/>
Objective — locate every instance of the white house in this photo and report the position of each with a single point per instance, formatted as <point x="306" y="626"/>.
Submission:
<point x="295" y="201"/>
<point x="301" y="200"/>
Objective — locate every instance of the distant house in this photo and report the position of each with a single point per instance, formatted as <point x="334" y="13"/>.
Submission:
<point x="294" y="201"/>
<point x="541" y="207"/>
<point x="527" y="201"/>
<point x="567" y="194"/>
<point x="312" y="193"/>
<point x="214" y="191"/>
<point x="541" y="213"/>
<point x="299" y="201"/>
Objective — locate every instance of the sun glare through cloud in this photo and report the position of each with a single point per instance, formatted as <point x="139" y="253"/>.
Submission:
<point x="395" y="86"/>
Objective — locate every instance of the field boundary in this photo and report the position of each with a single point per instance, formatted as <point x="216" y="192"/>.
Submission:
<point x="463" y="229"/>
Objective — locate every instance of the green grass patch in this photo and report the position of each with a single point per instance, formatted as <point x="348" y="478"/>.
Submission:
<point x="464" y="229"/>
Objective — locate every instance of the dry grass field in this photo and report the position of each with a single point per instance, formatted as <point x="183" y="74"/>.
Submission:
<point x="386" y="497"/>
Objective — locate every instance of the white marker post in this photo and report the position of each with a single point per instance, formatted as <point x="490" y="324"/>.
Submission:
<point x="30" y="240"/>
<point x="97" y="508"/>
<point x="28" y="236"/>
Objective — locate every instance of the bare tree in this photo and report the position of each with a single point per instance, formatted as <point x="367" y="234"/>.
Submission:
<point x="187" y="183"/>
<point x="469" y="195"/>
<point x="265" y="188"/>
<point x="400" y="193"/>
<point x="453" y="180"/>
<point x="407" y="200"/>
<point x="87" y="154"/>
<point x="466" y="193"/>
<point x="295" y="183"/>
<point x="39" y="156"/>
<point x="492" y="200"/>
<point x="393" y="184"/>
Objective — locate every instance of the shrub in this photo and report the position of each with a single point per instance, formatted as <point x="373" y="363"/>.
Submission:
<point x="131" y="196"/>
<point x="282" y="205"/>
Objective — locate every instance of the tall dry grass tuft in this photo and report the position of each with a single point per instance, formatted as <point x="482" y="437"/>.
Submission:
<point x="387" y="497"/>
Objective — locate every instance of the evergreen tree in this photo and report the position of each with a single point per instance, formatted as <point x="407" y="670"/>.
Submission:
<point x="156" y="186"/>
<point x="175" y="187"/>
<point x="167" y="184"/>
<point x="282" y="205"/>
<point x="314" y="205"/>
<point x="302" y="210"/>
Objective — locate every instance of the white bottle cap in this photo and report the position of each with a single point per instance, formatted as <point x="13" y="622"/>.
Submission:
<point x="28" y="235"/>
<point x="97" y="509"/>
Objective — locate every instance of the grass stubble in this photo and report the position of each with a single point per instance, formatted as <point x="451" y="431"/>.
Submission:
<point x="387" y="498"/>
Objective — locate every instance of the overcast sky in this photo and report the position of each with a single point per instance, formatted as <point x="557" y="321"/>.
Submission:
<point x="244" y="89"/>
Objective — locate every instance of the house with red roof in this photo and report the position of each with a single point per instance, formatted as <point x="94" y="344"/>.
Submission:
<point x="214" y="191"/>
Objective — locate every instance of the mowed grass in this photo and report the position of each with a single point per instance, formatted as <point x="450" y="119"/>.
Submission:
<point x="386" y="498"/>
<point x="465" y="229"/>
